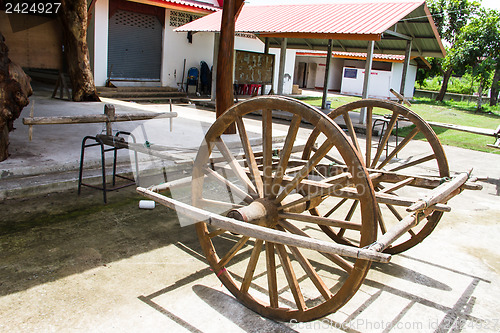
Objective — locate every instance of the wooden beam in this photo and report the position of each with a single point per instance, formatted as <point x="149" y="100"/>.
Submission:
<point x="406" y="64"/>
<point x="327" y="74"/>
<point x="95" y="118"/>
<point x="366" y="82"/>
<point x="259" y="232"/>
<point x="281" y="73"/>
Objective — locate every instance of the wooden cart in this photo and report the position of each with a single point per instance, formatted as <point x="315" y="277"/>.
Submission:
<point x="318" y="210"/>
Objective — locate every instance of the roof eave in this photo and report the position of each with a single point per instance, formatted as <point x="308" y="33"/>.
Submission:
<point x="323" y="35"/>
<point x="434" y="29"/>
<point x="201" y="9"/>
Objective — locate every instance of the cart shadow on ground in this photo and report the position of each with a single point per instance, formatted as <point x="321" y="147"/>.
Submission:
<point x="453" y="319"/>
<point x="80" y="234"/>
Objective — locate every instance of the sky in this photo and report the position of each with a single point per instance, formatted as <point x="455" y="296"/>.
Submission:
<point x="495" y="4"/>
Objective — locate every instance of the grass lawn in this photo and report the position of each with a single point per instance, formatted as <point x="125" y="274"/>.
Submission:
<point x="458" y="113"/>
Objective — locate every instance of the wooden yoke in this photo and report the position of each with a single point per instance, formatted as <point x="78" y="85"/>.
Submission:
<point x="224" y="84"/>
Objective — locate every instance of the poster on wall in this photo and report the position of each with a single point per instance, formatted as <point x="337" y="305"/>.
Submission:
<point x="253" y="68"/>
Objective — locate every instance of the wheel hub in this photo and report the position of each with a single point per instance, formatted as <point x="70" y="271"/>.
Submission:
<point x="262" y="212"/>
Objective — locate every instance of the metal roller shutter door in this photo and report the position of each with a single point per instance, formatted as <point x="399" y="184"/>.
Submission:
<point x="134" y="50"/>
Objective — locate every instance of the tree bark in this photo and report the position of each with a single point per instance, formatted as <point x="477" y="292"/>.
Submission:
<point x="444" y="86"/>
<point x="15" y="89"/>
<point x="74" y="21"/>
<point x="480" y="96"/>
<point x="495" y="85"/>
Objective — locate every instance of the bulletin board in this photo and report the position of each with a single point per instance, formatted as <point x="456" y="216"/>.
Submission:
<point x="253" y="68"/>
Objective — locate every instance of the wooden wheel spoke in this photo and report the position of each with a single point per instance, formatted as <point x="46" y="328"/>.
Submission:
<point x="221" y="204"/>
<point x="398" y="185"/>
<point x="321" y="192"/>
<point x="272" y="282"/>
<point x="306" y="169"/>
<point x="286" y="152"/>
<point x="238" y="191"/>
<point x="395" y="212"/>
<point x="330" y="158"/>
<point x="399" y="217"/>
<point x="338" y="260"/>
<point x="398" y="148"/>
<point x="384" y="139"/>
<point x="348" y="217"/>
<point x="254" y="258"/>
<point x="250" y="156"/>
<point x="234" y="165"/>
<point x="413" y="163"/>
<point x="267" y="150"/>
<point x="337" y="206"/>
<point x="352" y="210"/>
<point x="380" y="220"/>
<point x="223" y="262"/>
<point x="351" y="131"/>
<point x="321" y="220"/>
<point x="310" y="271"/>
<point x="291" y="277"/>
<point x="369" y="134"/>
<point x="216" y="233"/>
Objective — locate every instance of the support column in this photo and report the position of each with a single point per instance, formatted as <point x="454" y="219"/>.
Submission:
<point x="327" y="74"/>
<point x="214" y="66"/>
<point x="266" y="51"/>
<point x="366" y="82"/>
<point x="101" y="23"/>
<point x="405" y="67"/>
<point x="281" y="74"/>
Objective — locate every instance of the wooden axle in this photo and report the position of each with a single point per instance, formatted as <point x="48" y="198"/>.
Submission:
<point x="260" y="232"/>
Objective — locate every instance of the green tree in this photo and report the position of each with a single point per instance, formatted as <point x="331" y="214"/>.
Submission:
<point x="478" y="48"/>
<point x="450" y="16"/>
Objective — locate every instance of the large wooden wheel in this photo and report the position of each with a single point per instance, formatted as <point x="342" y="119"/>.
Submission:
<point x="263" y="186"/>
<point x="393" y="171"/>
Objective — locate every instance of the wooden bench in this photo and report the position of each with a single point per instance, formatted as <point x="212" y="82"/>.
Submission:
<point x="475" y="130"/>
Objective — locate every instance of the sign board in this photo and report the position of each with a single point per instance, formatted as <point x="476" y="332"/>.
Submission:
<point x="253" y="68"/>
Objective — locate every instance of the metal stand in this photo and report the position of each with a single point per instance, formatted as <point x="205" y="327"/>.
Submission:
<point x="384" y="122"/>
<point x="99" y="142"/>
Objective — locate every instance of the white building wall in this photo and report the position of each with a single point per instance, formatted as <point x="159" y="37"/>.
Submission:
<point x="176" y="48"/>
<point x="397" y="73"/>
<point x="289" y="70"/>
<point x="248" y="44"/>
<point x="318" y="73"/>
<point x="99" y="49"/>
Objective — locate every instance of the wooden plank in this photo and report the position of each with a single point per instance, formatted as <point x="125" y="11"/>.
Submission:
<point x="96" y="118"/>
<point x="439" y="194"/>
<point x="468" y="129"/>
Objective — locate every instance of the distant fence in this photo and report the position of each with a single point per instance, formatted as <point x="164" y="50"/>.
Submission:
<point x="449" y="96"/>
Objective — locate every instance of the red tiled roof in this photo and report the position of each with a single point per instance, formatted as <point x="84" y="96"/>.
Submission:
<point x="357" y="18"/>
<point x="354" y="55"/>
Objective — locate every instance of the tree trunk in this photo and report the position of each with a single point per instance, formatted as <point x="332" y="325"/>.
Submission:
<point x="495" y="85"/>
<point x="74" y="21"/>
<point x="444" y="86"/>
<point x="15" y="89"/>
<point x="480" y="95"/>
